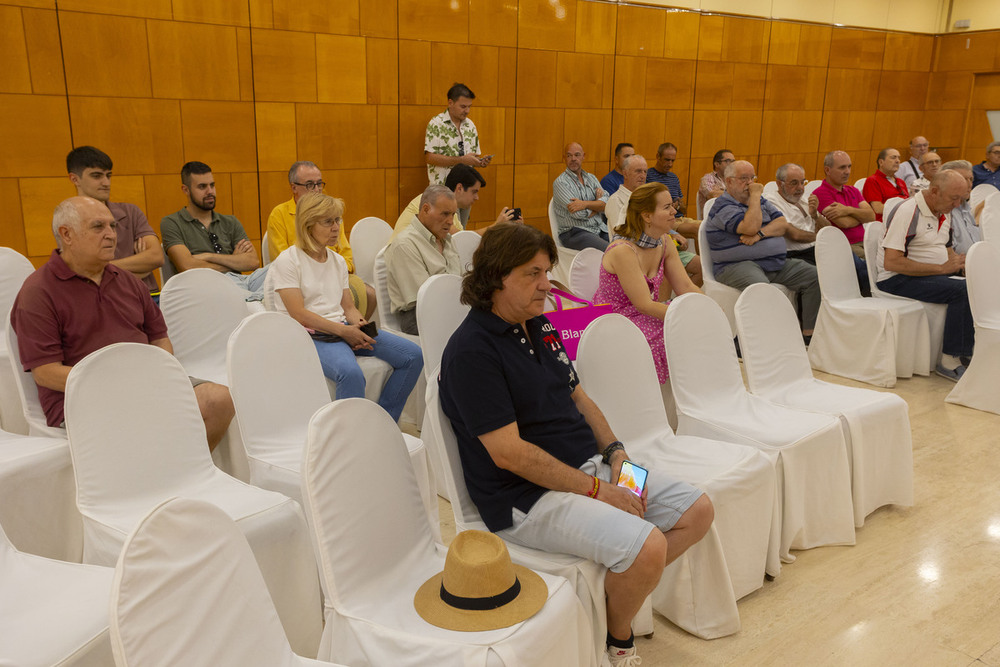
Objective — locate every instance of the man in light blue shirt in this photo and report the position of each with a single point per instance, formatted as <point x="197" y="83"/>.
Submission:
<point x="579" y="200"/>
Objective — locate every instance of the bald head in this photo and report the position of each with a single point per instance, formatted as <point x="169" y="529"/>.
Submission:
<point x="948" y="189"/>
<point x="70" y="214"/>
<point x="573" y="155"/>
<point x="837" y="168"/>
<point x="930" y="162"/>
<point x="918" y="146"/>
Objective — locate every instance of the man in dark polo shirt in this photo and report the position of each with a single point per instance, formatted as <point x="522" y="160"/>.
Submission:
<point x="198" y="236"/>
<point x="138" y="249"/>
<point x="531" y="441"/>
<point x="883" y="185"/>
<point x="79" y="302"/>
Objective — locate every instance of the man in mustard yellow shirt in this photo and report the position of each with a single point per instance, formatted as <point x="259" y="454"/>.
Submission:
<point x="304" y="177"/>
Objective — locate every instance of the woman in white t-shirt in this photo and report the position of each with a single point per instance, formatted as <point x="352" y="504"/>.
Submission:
<point x="309" y="282"/>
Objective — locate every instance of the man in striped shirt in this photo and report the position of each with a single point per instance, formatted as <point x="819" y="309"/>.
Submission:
<point x="746" y="235"/>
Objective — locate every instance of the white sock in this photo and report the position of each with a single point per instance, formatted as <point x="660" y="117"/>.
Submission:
<point x="949" y="362"/>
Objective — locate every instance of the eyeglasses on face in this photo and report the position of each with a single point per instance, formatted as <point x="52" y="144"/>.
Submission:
<point x="328" y="222"/>
<point x="312" y="185"/>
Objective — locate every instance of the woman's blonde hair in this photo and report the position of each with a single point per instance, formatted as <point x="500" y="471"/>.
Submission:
<point x="309" y="210"/>
<point x="643" y="200"/>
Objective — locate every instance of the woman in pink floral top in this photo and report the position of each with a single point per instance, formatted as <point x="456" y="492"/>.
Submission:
<point x="637" y="261"/>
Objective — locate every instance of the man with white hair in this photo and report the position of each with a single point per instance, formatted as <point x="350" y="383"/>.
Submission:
<point x="912" y="168"/>
<point x="79" y="302"/>
<point x="745" y="232"/>
<point x="964" y="227"/>
<point x="930" y="163"/>
<point x="916" y="260"/>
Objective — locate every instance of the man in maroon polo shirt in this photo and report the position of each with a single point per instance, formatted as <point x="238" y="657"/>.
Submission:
<point x="79" y="302"/>
<point x="843" y="204"/>
<point x="883" y="185"/>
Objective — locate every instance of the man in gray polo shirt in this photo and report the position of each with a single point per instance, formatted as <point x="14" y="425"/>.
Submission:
<point x="199" y="237"/>
<point x="746" y="234"/>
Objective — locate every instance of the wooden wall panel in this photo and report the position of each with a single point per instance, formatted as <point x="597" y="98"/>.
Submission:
<point x="412" y="127"/>
<point x="945" y="126"/>
<point x="163" y="197"/>
<point x="814" y="45"/>
<point x="641" y="31"/>
<point x="630" y="82"/>
<point x="15" y="75"/>
<point x="670" y="84"/>
<point x="896" y="128"/>
<point x="171" y="44"/>
<point x="542" y="24"/>
<point x="154" y="9"/>
<point x="432" y="21"/>
<point x="142" y="136"/>
<point x="316" y="17"/>
<point x="492" y="22"/>
<point x="949" y="90"/>
<point x="341" y="69"/>
<point x="39" y="197"/>
<point x="382" y="67"/>
<point x="899" y="91"/>
<point x="791" y="87"/>
<point x="539" y="135"/>
<point x="12" y="224"/>
<point x="476" y="66"/>
<point x="223" y="13"/>
<point x="41" y="34"/>
<point x="220" y="134"/>
<point x="711" y="31"/>
<point x="284" y="66"/>
<point x="847" y="130"/>
<point x="974" y="51"/>
<point x="904" y="51"/>
<point x="681" y="27"/>
<point x="593" y="27"/>
<point x="34" y="134"/>
<point x="862" y="49"/>
<point x="338" y="135"/>
<point x="125" y="75"/>
<point x="707" y="133"/>
<point x="415" y="74"/>
<point x="536" y="78"/>
<point x="851" y="89"/>
<point x="580" y="77"/>
<point x="379" y="18"/>
<point x="745" y="40"/>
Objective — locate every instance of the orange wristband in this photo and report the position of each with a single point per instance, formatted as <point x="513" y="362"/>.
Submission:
<point x="596" y="489"/>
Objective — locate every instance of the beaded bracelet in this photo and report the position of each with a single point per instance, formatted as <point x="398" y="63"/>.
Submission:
<point x="611" y="449"/>
<point x="596" y="489"/>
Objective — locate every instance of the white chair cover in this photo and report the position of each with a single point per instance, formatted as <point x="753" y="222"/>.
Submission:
<point x="561" y="270"/>
<point x="276" y="395"/>
<point x="813" y="469"/>
<point x="890" y="206"/>
<point x="27" y="391"/>
<point x="860" y="183"/>
<point x="51" y="612"/>
<point x="368" y="236"/>
<point x="812" y="185"/>
<point x="874" y="231"/>
<point x="37" y="497"/>
<point x="187" y="591"/>
<point x="770" y="188"/>
<point x="724" y="295"/>
<point x="740" y="480"/>
<point x="873" y="340"/>
<point x="989" y="221"/>
<point x="876" y="425"/>
<point x="370" y="618"/>
<point x="413" y="411"/>
<point x="265" y="252"/>
<point x="977" y="388"/>
<point x="980" y="193"/>
<point x="439" y="312"/>
<point x="14" y="268"/>
<point x="584" y="273"/>
<point x="466" y="242"/>
<point x="129" y="455"/>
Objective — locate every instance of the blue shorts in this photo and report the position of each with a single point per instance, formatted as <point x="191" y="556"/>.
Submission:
<point x="569" y="523"/>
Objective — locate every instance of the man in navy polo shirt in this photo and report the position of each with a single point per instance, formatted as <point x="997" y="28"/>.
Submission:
<point x="537" y="453"/>
<point x="988" y="171"/>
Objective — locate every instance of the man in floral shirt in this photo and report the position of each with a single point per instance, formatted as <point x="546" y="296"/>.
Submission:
<point x="452" y="138"/>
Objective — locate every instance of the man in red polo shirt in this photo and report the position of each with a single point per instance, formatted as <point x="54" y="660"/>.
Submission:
<point x="79" y="302"/>
<point x="843" y="204"/>
<point x="883" y="185"/>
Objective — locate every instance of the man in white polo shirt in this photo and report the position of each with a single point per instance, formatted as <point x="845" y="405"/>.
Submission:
<point x="916" y="260"/>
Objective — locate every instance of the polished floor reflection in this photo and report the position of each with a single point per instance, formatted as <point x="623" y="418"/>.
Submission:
<point x="921" y="587"/>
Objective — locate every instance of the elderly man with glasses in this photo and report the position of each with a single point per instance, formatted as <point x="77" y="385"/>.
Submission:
<point x="913" y="168"/>
<point x="306" y="177"/>
<point x="746" y="235"/>
<point x="199" y="237"/>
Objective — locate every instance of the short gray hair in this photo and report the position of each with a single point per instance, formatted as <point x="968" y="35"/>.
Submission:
<point x="294" y="169"/>
<point x="992" y="146"/>
<point x="66" y="215"/>
<point x="731" y="168"/>
<point x="629" y="159"/>
<point x="433" y="193"/>
<point x="964" y="165"/>
<point x="783" y="171"/>
<point x="828" y="158"/>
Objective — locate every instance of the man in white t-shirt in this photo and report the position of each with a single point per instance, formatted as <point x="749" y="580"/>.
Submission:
<point x="916" y="260"/>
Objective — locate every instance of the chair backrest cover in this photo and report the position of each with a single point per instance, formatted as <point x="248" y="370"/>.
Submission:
<point x="982" y="270"/>
<point x="188" y="591"/>
<point x="265" y="252"/>
<point x="860" y="183"/>
<point x="466" y="242"/>
<point x="368" y="236"/>
<point x="466" y="514"/>
<point x="704" y="371"/>
<point x="584" y="272"/>
<point x="439" y="312"/>
<point x="14" y="268"/>
<point x="989" y="220"/>
<point x="126" y="444"/>
<point x="386" y="317"/>
<point x="616" y="370"/>
<point x="774" y="354"/>
<point x="704" y="251"/>
<point x="980" y="193"/>
<point x="771" y="187"/>
<point x="202" y="307"/>
<point x="554" y="223"/>
<point x="27" y="390"/>
<point x="275" y="394"/>
<point x="168" y="270"/>
<point x="362" y="502"/>
<point x="837" y="278"/>
<point x="874" y="231"/>
<point x="812" y="185"/>
<point x="890" y="206"/>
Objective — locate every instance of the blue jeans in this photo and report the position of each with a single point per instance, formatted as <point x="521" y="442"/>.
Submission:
<point x="253" y="283"/>
<point x="959" y="329"/>
<point x="340" y="365"/>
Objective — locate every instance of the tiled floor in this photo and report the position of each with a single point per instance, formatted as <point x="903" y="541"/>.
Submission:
<point x="921" y="587"/>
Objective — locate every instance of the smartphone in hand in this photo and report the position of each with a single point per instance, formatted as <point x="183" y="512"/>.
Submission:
<point x="633" y="477"/>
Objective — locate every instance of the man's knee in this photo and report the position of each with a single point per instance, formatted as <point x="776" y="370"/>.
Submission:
<point x="652" y="557"/>
<point x="700" y="515"/>
<point x="214" y="400"/>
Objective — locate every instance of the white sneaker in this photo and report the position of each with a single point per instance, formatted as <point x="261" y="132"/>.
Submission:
<point x="623" y="657"/>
